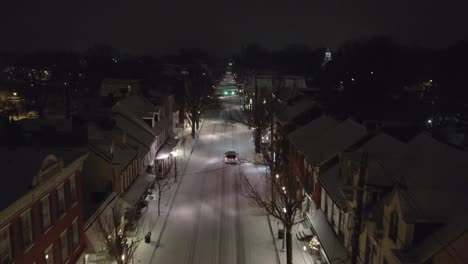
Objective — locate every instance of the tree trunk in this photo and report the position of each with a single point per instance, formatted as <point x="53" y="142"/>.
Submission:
<point x="289" y="252"/>
<point x="257" y="140"/>
<point x="159" y="202"/>
<point x="197" y="123"/>
<point x="193" y="131"/>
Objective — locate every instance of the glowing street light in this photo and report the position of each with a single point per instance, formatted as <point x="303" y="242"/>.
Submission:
<point x="277" y="176"/>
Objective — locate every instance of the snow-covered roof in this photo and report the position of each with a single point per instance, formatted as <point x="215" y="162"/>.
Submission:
<point x="433" y="179"/>
<point x="20" y="165"/>
<point x="322" y="138"/>
<point x="381" y="149"/>
<point x="384" y="154"/>
<point x="298" y="107"/>
<point x="135" y="129"/>
<point x="117" y="140"/>
<point x="427" y="161"/>
<point x="138" y="105"/>
<point x="438" y="207"/>
<point x="311" y="130"/>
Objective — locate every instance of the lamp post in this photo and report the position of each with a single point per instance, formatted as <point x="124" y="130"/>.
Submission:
<point x="174" y="155"/>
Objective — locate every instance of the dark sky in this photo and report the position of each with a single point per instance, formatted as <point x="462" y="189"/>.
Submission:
<point x="155" y="26"/>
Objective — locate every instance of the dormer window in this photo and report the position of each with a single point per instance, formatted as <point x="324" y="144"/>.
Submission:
<point x="393" y="230"/>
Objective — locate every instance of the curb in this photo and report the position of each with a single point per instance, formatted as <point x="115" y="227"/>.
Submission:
<point x="175" y="193"/>
<point x="274" y="241"/>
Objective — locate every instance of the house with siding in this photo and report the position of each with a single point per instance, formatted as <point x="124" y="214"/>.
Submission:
<point x="339" y="182"/>
<point x="112" y="165"/>
<point x="314" y="150"/>
<point x="424" y="218"/>
<point x="41" y="214"/>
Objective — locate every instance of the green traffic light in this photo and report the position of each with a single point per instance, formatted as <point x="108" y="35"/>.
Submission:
<point x="232" y="92"/>
<point x="225" y="93"/>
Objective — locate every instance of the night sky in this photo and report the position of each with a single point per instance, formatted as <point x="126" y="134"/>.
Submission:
<point x="155" y="27"/>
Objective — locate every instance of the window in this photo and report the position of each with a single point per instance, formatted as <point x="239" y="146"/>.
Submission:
<point x="49" y="255"/>
<point x="64" y="246"/>
<point x="61" y="199"/>
<point x="72" y="189"/>
<point x="5" y="247"/>
<point x="26" y="229"/>
<point x="393" y="230"/>
<point x="45" y="210"/>
<point x="76" y="234"/>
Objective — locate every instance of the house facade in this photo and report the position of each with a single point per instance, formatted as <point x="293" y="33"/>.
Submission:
<point x="423" y="218"/>
<point x="314" y="154"/>
<point x="112" y="166"/>
<point x="42" y="223"/>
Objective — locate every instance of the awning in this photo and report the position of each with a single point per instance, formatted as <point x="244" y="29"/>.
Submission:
<point x="166" y="149"/>
<point x="330" y="243"/>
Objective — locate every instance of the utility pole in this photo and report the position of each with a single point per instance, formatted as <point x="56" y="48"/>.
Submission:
<point x="175" y="167"/>
<point x="359" y="206"/>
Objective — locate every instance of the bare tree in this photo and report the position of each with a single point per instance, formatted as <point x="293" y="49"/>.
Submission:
<point x="283" y="203"/>
<point x="258" y="116"/>
<point x="163" y="183"/>
<point x="120" y="231"/>
<point x="197" y="97"/>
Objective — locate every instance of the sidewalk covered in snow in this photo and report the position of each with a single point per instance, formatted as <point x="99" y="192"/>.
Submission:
<point x="166" y="149"/>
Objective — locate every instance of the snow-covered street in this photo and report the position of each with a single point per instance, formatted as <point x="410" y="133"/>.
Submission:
<point x="209" y="220"/>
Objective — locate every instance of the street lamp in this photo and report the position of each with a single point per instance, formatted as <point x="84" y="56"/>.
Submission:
<point x="174" y="155"/>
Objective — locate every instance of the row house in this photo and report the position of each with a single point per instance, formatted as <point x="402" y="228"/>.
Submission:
<point x="41" y="218"/>
<point x="424" y="218"/>
<point x="112" y="165"/>
<point x="141" y="119"/>
<point x="413" y="200"/>
<point x="340" y="181"/>
<point x="314" y="150"/>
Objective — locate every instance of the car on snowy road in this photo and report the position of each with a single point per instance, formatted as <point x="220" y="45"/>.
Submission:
<point x="230" y="157"/>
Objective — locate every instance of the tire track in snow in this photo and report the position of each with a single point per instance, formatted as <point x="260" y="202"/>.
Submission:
<point x="196" y="226"/>
<point x="221" y="208"/>
<point x="240" y="252"/>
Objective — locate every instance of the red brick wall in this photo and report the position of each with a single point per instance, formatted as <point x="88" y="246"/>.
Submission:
<point x="41" y="240"/>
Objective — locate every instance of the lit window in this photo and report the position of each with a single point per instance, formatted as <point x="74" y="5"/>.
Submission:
<point x="61" y="199"/>
<point x="64" y="246"/>
<point x="72" y="189"/>
<point x="49" y="255"/>
<point x="26" y="232"/>
<point x="76" y="234"/>
<point x="45" y="209"/>
<point x="5" y="248"/>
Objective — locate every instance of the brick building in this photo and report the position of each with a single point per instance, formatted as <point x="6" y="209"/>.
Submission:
<point x="40" y="201"/>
